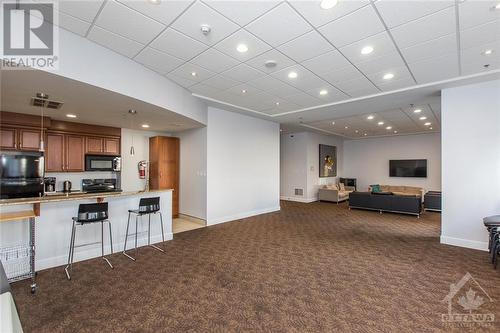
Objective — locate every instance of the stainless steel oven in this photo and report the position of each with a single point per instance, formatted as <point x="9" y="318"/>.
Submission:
<point x="102" y="163"/>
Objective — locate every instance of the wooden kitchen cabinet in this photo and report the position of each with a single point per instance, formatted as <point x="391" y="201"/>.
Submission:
<point x="112" y="146"/>
<point x="8" y="137"/>
<point x="54" y="152"/>
<point x="164" y="167"/>
<point x="94" y="145"/>
<point x="29" y="139"/>
<point x="74" y="153"/>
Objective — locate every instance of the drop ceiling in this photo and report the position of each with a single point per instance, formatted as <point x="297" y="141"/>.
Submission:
<point x="418" y="42"/>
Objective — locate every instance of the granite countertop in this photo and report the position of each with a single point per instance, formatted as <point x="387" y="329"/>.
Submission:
<point x="72" y="196"/>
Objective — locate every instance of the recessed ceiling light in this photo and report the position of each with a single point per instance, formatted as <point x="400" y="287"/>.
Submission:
<point x="417" y="110"/>
<point x="380" y="123"/>
<point x="193" y="74"/>
<point x="155" y="2"/>
<point x="69" y="115"/>
<point x="292" y="75"/>
<point x="427" y="124"/>
<point x="496" y="7"/>
<point x="333" y="123"/>
<point x="242" y="48"/>
<point x="243" y="91"/>
<point x="367" y="50"/>
<point x="388" y="128"/>
<point x="356" y="131"/>
<point x="370" y="117"/>
<point x="277" y="103"/>
<point x="488" y="52"/>
<point x="323" y="92"/>
<point x="422" y="118"/>
<point x="328" y="4"/>
<point x="346" y="127"/>
<point x="430" y="128"/>
<point x="145" y="126"/>
<point x="388" y="76"/>
<point x="365" y="134"/>
<point x="395" y="132"/>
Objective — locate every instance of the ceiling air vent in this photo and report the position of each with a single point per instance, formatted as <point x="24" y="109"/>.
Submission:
<point x="54" y="105"/>
<point x="299" y="191"/>
<point x="42" y="100"/>
<point x="38" y="101"/>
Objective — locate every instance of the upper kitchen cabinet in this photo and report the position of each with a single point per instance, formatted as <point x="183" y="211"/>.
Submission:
<point x="54" y="152"/>
<point x="8" y="138"/>
<point x="74" y="153"/>
<point x="29" y="139"/>
<point x="102" y="145"/>
<point x="112" y="146"/>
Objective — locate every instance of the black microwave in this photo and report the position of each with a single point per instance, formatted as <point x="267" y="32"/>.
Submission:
<point x="102" y="163"/>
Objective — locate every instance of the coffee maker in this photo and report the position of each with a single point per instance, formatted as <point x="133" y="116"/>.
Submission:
<point x="50" y="185"/>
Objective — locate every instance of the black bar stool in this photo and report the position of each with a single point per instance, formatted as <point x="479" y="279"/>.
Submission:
<point x="492" y="224"/>
<point x="147" y="206"/>
<point x="90" y="213"/>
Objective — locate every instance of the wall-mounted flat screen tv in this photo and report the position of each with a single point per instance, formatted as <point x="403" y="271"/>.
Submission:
<point x="408" y="168"/>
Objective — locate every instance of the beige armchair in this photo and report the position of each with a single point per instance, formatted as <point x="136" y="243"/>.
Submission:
<point x="334" y="193"/>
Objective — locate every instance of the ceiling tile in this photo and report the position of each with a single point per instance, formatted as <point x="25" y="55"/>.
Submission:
<point x="381" y="43"/>
<point x="158" y="61"/>
<point x="305" y="80"/>
<point x="255" y="46"/>
<point x="243" y="73"/>
<point x="326" y="62"/>
<point x="127" y="22"/>
<point x="303" y="100"/>
<point x="183" y="82"/>
<point x="117" y="43"/>
<point x="204" y="90"/>
<point x="317" y="16"/>
<point x="431" y="49"/>
<point x="426" y="28"/>
<point x="185" y="71"/>
<point x="355" y="26"/>
<point x="357" y="87"/>
<point x="343" y="74"/>
<point x="73" y="24"/>
<point x="244" y="90"/>
<point x="305" y="47"/>
<point x="279" y="25"/>
<point x="384" y="63"/>
<point x="274" y="86"/>
<point x="220" y="82"/>
<point x="395" y="13"/>
<point x="479" y="35"/>
<point x="233" y="9"/>
<point x="435" y="69"/>
<point x="215" y="61"/>
<point x="472" y="13"/>
<point x="177" y="44"/>
<point x="83" y="10"/>
<point x="475" y="61"/>
<point x="190" y="23"/>
<point x="281" y="60"/>
<point x="165" y="11"/>
<point x="333" y="94"/>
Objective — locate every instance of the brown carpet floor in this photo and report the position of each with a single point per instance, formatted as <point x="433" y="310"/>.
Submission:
<point x="309" y="268"/>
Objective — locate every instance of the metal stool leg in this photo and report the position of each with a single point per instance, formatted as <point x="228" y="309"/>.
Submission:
<point x="154" y="246"/>
<point x="102" y="245"/>
<point x="136" y="234"/>
<point x="71" y="250"/>
<point x="110" y="236"/>
<point x="126" y="237"/>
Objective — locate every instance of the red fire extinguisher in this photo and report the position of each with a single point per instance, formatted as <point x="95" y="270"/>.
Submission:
<point x="142" y="169"/>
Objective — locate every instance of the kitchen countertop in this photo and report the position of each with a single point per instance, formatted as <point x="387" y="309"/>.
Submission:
<point x="72" y="196"/>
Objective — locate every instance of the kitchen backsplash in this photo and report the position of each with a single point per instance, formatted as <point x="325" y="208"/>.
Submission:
<point x="76" y="178"/>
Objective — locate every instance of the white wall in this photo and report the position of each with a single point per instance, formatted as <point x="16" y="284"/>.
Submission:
<point x="300" y="164"/>
<point x="471" y="162"/>
<point x="243" y="157"/>
<point x="367" y="160"/>
<point x="193" y="175"/>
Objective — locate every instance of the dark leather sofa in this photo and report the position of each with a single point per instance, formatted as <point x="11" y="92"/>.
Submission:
<point x="386" y="202"/>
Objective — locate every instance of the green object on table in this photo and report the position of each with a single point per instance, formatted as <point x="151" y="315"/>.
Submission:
<point x="376" y="188"/>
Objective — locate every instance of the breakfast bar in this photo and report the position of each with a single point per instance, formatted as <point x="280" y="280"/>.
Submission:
<point x="52" y="216"/>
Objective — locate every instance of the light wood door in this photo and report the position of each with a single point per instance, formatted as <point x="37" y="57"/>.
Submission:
<point x="94" y="145"/>
<point x="74" y="153"/>
<point x="8" y="137"/>
<point x="112" y="146"/>
<point x="54" y="152"/>
<point x="29" y="139"/>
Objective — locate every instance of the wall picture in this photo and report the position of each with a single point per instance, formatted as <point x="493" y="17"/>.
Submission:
<point x="327" y="161"/>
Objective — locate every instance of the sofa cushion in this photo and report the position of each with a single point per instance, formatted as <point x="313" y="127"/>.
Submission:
<point x="341" y="186"/>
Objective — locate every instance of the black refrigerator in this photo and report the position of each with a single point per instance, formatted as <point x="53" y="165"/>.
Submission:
<point x="21" y="174"/>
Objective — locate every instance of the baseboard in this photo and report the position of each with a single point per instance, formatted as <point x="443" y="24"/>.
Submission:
<point x="242" y="215"/>
<point x="193" y="219"/>
<point x="304" y="200"/>
<point x="471" y="244"/>
<point x="95" y="252"/>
